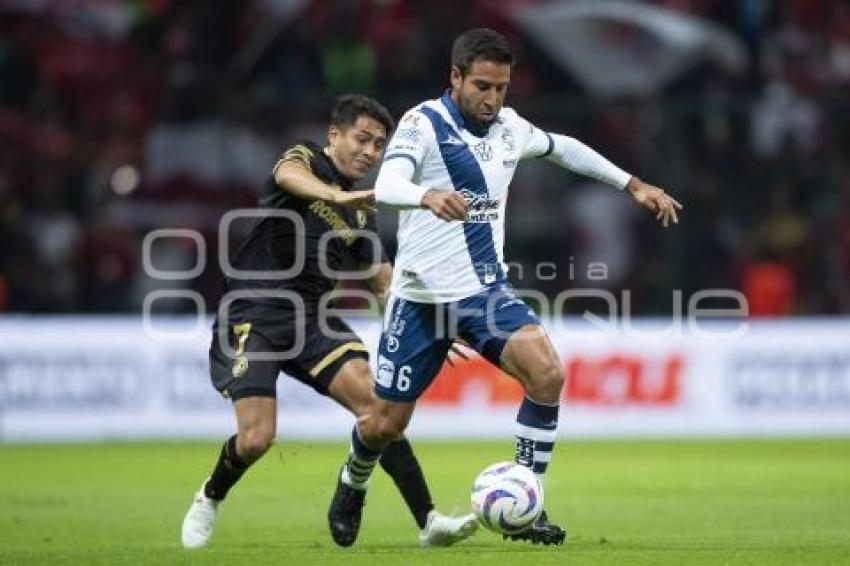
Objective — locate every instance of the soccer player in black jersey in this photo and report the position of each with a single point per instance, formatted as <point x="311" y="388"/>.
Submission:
<point x="319" y="222"/>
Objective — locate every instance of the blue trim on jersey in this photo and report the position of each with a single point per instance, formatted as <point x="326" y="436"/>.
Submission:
<point x="458" y="118"/>
<point x="466" y="174"/>
<point x="551" y="147"/>
<point x="403" y="156"/>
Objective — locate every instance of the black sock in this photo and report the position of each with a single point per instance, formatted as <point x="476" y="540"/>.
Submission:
<point x="227" y="472"/>
<point x="401" y="464"/>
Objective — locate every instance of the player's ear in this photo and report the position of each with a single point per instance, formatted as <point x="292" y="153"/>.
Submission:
<point x="333" y="134"/>
<point x="456" y="77"/>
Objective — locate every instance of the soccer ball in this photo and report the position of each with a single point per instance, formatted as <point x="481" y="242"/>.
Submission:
<point x="507" y="498"/>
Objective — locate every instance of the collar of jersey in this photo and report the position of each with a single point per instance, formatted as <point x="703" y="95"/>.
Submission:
<point x="454" y="111"/>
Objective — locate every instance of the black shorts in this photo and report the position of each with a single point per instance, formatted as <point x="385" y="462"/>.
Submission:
<point x="248" y="371"/>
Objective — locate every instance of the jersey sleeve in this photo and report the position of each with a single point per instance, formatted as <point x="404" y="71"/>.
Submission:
<point x="367" y="249"/>
<point x="303" y="153"/>
<point x="412" y="140"/>
<point x="534" y="141"/>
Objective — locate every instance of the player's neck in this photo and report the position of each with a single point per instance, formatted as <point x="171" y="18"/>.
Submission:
<point x="474" y="126"/>
<point x="328" y="151"/>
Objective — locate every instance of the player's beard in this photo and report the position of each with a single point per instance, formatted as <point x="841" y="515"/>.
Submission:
<point x="474" y="123"/>
<point x="479" y="125"/>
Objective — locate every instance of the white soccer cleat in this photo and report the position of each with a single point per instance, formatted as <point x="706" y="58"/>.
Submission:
<point x="441" y="530"/>
<point x="199" y="519"/>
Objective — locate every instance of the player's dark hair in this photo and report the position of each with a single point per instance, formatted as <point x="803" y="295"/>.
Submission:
<point x="349" y="107"/>
<point x="480" y="44"/>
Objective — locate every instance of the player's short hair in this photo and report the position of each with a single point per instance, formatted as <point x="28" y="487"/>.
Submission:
<point x="349" y="107"/>
<point x="480" y="43"/>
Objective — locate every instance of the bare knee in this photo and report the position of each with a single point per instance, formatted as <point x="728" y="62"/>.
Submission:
<point x="530" y="357"/>
<point x="254" y="441"/>
<point x="389" y="430"/>
<point x="379" y="430"/>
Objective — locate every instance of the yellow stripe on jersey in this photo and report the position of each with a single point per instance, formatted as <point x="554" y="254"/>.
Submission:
<point x="336" y="354"/>
<point x="299" y="154"/>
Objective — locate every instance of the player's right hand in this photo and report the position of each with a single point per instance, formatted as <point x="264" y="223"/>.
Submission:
<point x="358" y="200"/>
<point x="446" y="205"/>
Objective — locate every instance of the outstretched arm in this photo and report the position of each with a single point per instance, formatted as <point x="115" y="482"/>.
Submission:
<point x="576" y="156"/>
<point x="406" y="151"/>
<point x="296" y="178"/>
<point x="656" y="200"/>
<point x="395" y="188"/>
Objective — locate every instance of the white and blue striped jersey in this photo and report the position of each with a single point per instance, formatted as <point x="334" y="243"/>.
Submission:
<point x="439" y="261"/>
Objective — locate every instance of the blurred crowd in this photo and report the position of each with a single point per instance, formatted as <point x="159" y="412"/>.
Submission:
<point x="118" y="117"/>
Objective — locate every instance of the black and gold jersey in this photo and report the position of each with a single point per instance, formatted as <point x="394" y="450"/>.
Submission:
<point x="274" y="243"/>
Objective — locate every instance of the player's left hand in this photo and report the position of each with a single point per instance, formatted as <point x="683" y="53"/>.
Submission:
<point x="655" y="199"/>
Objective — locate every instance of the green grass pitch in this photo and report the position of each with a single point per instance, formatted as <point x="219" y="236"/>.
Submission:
<point x="703" y="502"/>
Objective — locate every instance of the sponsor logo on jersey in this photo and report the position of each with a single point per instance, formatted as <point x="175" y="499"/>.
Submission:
<point x="480" y="208"/>
<point x="334" y="220"/>
<point x="386" y="370"/>
<point x="509" y="163"/>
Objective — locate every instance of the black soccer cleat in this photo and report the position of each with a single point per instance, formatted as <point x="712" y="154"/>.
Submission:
<point x="345" y="513"/>
<point x="541" y="532"/>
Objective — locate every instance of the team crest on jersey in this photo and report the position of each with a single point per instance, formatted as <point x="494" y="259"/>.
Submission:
<point x="483" y="150"/>
<point x="240" y="366"/>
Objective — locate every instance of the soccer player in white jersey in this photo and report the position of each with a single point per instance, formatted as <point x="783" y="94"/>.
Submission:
<point x="448" y="168"/>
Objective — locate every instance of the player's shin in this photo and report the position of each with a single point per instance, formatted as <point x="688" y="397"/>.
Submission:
<point x="402" y="466"/>
<point x="361" y="462"/>
<point x="227" y="471"/>
<point x="537" y="426"/>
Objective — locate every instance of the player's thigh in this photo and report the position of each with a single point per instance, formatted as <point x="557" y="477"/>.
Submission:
<point x="505" y="331"/>
<point x="530" y="357"/>
<point x="488" y="320"/>
<point x="353" y="386"/>
<point x="411" y="351"/>
<point x="336" y="351"/>
<point x="239" y="363"/>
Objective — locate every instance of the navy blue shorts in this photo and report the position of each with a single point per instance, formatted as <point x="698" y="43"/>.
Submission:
<point x="417" y="336"/>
